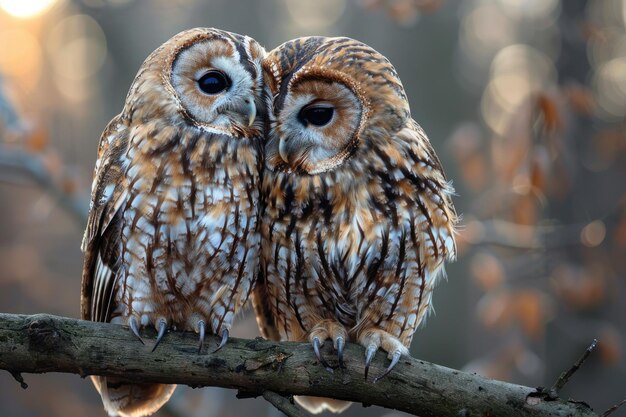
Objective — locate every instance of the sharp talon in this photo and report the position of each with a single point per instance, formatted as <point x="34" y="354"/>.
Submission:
<point x="162" y="329"/>
<point x="394" y="361"/>
<point x="224" y="340"/>
<point x="132" y="323"/>
<point x="369" y="355"/>
<point x="340" y="346"/>
<point x="201" y="330"/>
<point x="316" y="349"/>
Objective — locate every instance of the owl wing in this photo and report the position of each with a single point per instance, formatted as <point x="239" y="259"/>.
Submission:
<point x="102" y="239"/>
<point x="432" y="196"/>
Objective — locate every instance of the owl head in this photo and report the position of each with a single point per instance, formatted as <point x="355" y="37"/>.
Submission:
<point x="329" y="98"/>
<point x="207" y="78"/>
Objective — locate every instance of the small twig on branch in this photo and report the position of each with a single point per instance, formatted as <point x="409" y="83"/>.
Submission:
<point x="284" y="404"/>
<point x="613" y="409"/>
<point x="565" y="376"/>
<point x="44" y="343"/>
<point x="19" y="378"/>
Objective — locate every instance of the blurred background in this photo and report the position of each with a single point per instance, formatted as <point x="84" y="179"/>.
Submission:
<point x="524" y="101"/>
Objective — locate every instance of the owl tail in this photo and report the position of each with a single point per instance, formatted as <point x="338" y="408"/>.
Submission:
<point x="131" y="400"/>
<point x="316" y="405"/>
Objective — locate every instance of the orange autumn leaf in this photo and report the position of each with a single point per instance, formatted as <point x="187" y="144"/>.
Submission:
<point x="510" y="152"/>
<point x="610" y="346"/>
<point x="371" y="4"/>
<point x="610" y="142"/>
<point x="467" y="145"/>
<point x="580" y="98"/>
<point x="37" y="141"/>
<point x="549" y="112"/>
<point x="53" y="163"/>
<point x="593" y="32"/>
<point x="474" y="170"/>
<point x="539" y="171"/>
<point x="403" y="12"/>
<point x="578" y="287"/>
<point x="70" y="185"/>
<point x="498" y="364"/>
<point x="525" y="210"/>
<point x="620" y="229"/>
<point x="487" y="271"/>
<point x="495" y="309"/>
<point x="428" y="6"/>
<point x="531" y="311"/>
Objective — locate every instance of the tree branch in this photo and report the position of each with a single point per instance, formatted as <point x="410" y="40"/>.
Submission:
<point x="31" y="165"/>
<point x="44" y="343"/>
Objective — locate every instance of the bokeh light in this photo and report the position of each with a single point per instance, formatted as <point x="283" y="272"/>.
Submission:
<point x="610" y="83"/>
<point x="593" y="234"/>
<point x="484" y="31"/>
<point x="26" y="8"/>
<point x="531" y="8"/>
<point x="77" y="47"/>
<point x="21" y="57"/>
<point x="517" y="72"/>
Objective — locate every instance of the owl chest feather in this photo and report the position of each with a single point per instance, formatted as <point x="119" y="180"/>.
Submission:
<point x="345" y="247"/>
<point x="188" y="229"/>
<point x="324" y="245"/>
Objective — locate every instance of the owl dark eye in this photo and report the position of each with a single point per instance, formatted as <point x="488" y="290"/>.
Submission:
<point x="214" y="82"/>
<point x="318" y="115"/>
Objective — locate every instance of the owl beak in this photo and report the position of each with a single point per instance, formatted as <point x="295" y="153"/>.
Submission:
<point x="282" y="150"/>
<point x="251" y="111"/>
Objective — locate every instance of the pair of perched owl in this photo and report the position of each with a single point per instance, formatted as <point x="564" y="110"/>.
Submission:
<point x="296" y="177"/>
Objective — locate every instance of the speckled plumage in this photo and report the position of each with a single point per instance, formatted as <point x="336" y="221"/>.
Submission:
<point x="172" y="230"/>
<point x="357" y="218"/>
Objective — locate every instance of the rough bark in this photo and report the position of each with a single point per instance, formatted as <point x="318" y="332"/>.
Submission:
<point x="44" y="343"/>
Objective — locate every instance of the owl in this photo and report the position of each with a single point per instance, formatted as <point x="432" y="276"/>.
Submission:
<point x="357" y="216"/>
<point x="172" y="241"/>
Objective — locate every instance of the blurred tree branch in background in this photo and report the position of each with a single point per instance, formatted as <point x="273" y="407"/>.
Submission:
<point x="24" y="154"/>
<point x="44" y="343"/>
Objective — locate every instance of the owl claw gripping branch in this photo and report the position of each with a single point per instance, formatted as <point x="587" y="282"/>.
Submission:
<point x="171" y="239"/>
<point x="358" y="220"/>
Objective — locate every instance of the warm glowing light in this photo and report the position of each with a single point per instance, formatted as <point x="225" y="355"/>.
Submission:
<point x="21" y="57"/>
<point x="78" y="48"/>
<point x="26" y="8"/>
<point x="610" y="86"/>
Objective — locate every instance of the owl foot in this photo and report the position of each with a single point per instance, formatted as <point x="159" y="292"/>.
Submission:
<point x="132" y="323"/>
<point x="373" y="339"/>
<point x="162" y="329"/>
<point x="224" y="340"/>
<point x="201" y="331"/>
<point x="318" y="355"/>
<point x="328" y="329"/>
